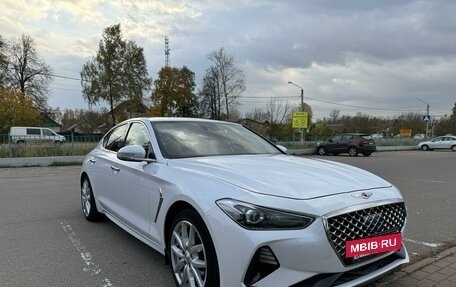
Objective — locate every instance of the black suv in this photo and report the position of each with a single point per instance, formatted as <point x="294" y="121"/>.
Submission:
<point x="348" y="143"/>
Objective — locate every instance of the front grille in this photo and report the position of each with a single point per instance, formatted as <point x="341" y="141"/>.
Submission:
<point x="374" y="221"/>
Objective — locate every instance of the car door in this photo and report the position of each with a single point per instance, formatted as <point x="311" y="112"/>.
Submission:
<point x="135" y="192"/>
<point x="101" y="163"/>
<point x="333" y="144"/>
<point x="436" y="143"/>
<point x="345" y="142"/>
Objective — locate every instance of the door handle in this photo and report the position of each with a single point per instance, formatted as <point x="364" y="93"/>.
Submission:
<point x="92" y="160"/>
<point x="115" y="168"/>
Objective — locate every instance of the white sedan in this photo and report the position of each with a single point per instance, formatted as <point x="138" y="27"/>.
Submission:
<point x="443" y="142"/>
<point x="228" y="208"/>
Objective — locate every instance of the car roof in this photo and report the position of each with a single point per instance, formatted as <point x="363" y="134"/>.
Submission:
<point x="176" y="119"/>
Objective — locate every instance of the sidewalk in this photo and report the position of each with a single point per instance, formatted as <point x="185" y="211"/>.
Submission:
<point x="434" y="271"/>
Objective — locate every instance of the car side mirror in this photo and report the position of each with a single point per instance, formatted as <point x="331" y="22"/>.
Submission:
<point x="133" y="153"/>
<point x="282" y="148"/>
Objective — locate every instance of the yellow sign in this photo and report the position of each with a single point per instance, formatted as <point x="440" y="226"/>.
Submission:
<point x="406" y="132"/>
<point x="300" y="120"/>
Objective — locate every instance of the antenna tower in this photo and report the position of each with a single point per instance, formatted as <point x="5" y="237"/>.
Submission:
<point x="166" y="51"/>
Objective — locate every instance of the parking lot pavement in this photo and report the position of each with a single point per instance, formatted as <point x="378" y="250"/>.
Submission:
<point x="45" y="241"/>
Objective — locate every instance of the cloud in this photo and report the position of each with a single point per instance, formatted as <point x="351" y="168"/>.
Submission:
<point x="381" y="54"/>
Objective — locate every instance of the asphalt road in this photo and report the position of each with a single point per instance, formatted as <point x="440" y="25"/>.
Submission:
<point x="45" y="241"/>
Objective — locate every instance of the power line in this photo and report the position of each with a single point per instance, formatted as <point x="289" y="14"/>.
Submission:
<point x="64" y="77"/>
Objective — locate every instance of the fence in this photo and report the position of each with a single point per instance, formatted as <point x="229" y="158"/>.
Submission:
<point x="30" y="147"/>
<point x="82" y="144"/>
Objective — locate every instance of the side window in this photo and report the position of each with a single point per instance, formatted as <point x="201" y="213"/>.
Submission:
<point x="347" y="137"/>
<point x="336" y="138"/>
<point x="138" y="135"/>
<point x="34" y="132"/>
<point x="115" y="140"/>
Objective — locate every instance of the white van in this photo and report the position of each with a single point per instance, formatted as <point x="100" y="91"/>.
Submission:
<point x="34" y="134"/>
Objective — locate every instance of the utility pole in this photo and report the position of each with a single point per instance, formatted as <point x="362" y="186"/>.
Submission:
<point x="302" y="107"/>
<point x="427" y="115"/>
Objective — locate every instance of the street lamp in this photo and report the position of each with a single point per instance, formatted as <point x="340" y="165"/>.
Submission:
<point x="302" y="105"/>
<point x="427" y="114"/>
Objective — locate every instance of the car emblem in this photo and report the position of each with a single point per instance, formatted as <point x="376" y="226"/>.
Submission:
<point x="363" y="195"/>
<point x="371" y="220"/>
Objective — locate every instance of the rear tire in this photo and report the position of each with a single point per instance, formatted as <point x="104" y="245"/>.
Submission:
<point x="89" y="207"/>
<point x="453" y="148"/>
<point x="353" y="151"/>
<point x="191" y="251"/>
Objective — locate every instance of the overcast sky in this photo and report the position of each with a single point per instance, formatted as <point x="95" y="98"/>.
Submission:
<point x="374" y="57"/>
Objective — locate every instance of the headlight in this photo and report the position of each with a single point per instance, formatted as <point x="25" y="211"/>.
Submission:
<point x="256" y="217"/>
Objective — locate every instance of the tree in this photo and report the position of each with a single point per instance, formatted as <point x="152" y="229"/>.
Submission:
<point x="3" y="63"/>
<point x="174" y="93"/>
<point x="16" y="109"/>
<point x="117" y="73"/>
<point x="224" y="82"/>
<point x="86" y="121"/>
<point x="210" y="100"/>
<point x="277" y="111"/>
<point x="26" y="72"/>
<point x="334" y="115"/>
<point x="452" y="121"/>
<point x="136" y="75"/>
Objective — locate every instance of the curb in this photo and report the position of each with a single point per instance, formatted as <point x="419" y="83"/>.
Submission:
<point x="41" y="161"/>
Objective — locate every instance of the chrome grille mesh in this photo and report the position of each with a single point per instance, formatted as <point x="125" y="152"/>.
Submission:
<point x="364" y="223"/>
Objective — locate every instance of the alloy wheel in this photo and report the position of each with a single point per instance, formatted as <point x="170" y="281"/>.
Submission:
<point x="188" y="255"/>
<point x="86" y="196"/>
<point x="321" y="151"/>
<point x="353" y="151"/>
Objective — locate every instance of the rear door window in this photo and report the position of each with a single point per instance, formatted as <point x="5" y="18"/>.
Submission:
<point x="35" y="132"/>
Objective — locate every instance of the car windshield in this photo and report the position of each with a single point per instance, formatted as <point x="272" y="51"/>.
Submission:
<point x="180" y="139"/>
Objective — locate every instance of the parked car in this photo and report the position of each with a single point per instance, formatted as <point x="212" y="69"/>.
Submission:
<point x="35" y="134"/>
<point x="377" y="136"/>
<point x="228" y="208"/>
<point x="351" y="143"/>
<point x="443" y="142"/>
<point x="419" y="136"/>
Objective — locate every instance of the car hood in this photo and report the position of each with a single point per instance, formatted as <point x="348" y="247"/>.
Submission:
<point x="282" y="175"/>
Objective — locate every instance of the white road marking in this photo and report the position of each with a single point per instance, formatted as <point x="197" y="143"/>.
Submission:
<point x="433" y="245"/>
<point x="90" y="265"/>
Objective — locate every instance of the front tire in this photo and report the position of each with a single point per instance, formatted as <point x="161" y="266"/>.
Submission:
<point x="89" y="207"/>
<point x="321" y="150"/>
<point x="192" y="253"/>
<point x="453" y="148"/>
<point x="425" y="148"/>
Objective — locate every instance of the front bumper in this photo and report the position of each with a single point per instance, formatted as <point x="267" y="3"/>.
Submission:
<point x="306" y="256"/>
